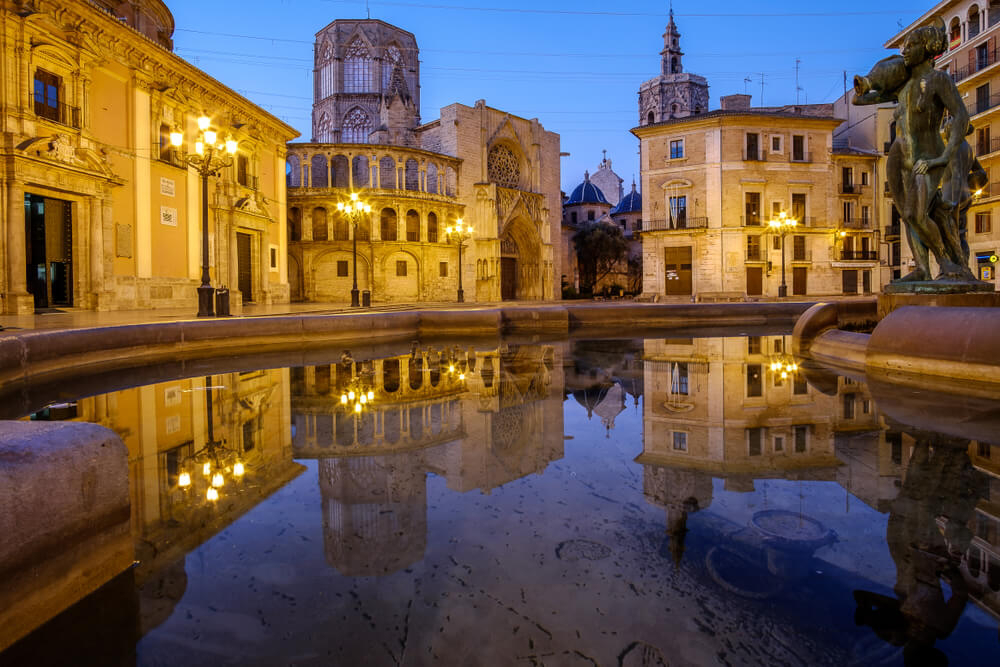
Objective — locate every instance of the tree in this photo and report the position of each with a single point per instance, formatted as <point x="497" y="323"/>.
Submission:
<point x="600" y="249"/>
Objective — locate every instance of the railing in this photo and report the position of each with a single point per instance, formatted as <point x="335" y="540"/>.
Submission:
<point x="852" y="188"/>
<point x="859" y="255"/>
<point x="754" y="221"/>
<point x="801" y="157"/>
<point x="755" y="255"/>
<point x="754" y="156"/>
<point x="984" y="105"/>
<point x="674" y="224"/>
<point x="802" y="256"/>
<point x="985" y="147"/>
<point x="980" y="63"/>
<point x="62" y="113"/>
<point x="856" y="223"/>
<point x="892" y="231"/>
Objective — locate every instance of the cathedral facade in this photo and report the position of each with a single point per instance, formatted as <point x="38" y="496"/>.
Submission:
<point x="497" y="173"/>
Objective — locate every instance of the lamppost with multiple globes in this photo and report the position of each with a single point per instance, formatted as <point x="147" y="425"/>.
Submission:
<point x="781" y="226"/>
<point x="355" y="209"/>
<point x="459" y="233"/>
<point x="214" y="460"/>
<point x="209" y="157"/>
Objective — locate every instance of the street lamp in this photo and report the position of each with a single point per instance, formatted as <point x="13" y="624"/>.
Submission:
<point x="355" y="209"/>
<point x="214" y="461"/>
<point x="459" y="233"/>
<point x="781" y="226"/>
<point x="209" y="157"/>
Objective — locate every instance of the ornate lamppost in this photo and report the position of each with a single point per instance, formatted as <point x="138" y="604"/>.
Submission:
<point x="781" y="226"/>
<point x="208" y="159"/>
<point x="459" y="233"/>
<point x="355" y="209"/>
<point x="215" y="460"/>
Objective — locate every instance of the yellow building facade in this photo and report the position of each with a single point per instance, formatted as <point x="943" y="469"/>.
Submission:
<point x="101" y="212"/>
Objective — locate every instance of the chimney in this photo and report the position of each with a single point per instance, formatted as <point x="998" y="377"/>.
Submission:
<point x="736" y="102"/>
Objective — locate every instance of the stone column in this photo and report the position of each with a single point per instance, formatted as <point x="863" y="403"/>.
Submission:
<point x="18" y="300"/>
<point x="96" y="250"/>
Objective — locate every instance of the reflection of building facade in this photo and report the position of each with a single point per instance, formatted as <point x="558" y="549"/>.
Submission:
<point x="101" y="212"/>
<point x="498" y="172"/>
<point x="478" y="419"/>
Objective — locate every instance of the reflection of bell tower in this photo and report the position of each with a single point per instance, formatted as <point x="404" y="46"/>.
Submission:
<point x="374" y="513"/>
<point x="681" y="493"/>
<point x="675" y="93"/>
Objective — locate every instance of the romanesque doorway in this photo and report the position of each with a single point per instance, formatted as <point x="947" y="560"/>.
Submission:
<point x="244" y="271"/>
<point x="48" y="236"/>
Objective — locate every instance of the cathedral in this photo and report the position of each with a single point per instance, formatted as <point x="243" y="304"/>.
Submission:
<point x="486" y="172"/>
<point x="674" y="93"/>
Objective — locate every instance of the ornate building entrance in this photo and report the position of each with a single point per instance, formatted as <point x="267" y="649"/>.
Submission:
<point x="48" y="236"/>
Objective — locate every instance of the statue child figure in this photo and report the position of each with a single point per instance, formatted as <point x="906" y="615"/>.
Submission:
<point x="922" y="168"/>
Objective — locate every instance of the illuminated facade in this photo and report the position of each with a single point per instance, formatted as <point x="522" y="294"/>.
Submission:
<point x="100" y="210"/>
<point x="497" y="172"/>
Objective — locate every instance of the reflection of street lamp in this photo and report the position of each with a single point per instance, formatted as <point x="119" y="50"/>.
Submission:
<point x="355" y="209"/>
<point x="208" y="158"/>
<point x="213" y="459"/>
<point x="781" y="226"/>
<point x="358" y="395"/>
<point x="459" y="234"/>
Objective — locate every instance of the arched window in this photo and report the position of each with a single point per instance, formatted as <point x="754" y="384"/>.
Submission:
<point x="412" y="174"/>
<point x="955" y="32"/>
<point x="319" y="224"/>
<point x="412" y="226"/>
<point x="340" y="169"/>
<point x="325" y="57"/>
<point x="675" y="66"/>
<point x="341" y="228"/>
<point x="973" y="21"/>
<point x="993" y="14"/>
<point x="360" y="168"/>
<point x="450" y="182"/>
<point x="294" y="224"/>
<point x="387" y="173"/>
<point x="388" y="227"/>
<point x="649" y="117"/>
<point x="432" y="227"/>
<point x="393" y="57"/>
<point x="324" y="129"/>
<point x="293" y="171"/>
<point x="432" y="178"/>
<point x="357" y="126"/>
<point x="416" y="373"/>
<point x="390" y="375"/>
<point x="357" y="68"/>
<point x="319" y="174"/>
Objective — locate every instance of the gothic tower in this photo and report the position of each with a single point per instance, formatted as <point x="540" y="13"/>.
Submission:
<point x="367" y="84"/>
<point x="674" y="93"/>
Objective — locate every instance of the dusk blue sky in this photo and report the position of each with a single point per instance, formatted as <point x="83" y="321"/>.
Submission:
<point x="576" y="67"/>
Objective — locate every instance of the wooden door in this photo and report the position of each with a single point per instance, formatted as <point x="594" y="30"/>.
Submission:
<point x="755" y="281"/>
<point x="243" y="266"/>
<point x="799" y="274"/>
<point x="508" y="278"/>
<point x="677" y="270"/>
<point x="850" y="277"/>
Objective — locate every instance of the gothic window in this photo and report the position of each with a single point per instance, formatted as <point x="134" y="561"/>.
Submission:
<point x="357" y="68"/>
<point x="326" y="71"/>
<point x="324" y="129"/>
<point x="503" y="166"/>
<point x="357" y="126"/>
<point x="393" y="58"/>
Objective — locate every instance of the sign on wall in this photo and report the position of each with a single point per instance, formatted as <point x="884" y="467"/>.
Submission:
<point x="167" y="186"/>
<point x="123" y="240"/>
<point x="168" y="216"/>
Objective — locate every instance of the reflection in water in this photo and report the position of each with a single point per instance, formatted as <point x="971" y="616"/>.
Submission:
<point x="775" y="511"/>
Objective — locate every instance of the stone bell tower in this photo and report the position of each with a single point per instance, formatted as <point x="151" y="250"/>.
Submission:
<point x="674" y="93"/>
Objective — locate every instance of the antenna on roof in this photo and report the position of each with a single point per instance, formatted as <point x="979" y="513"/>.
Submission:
<point x="797" y="86"/>
<point x="368" y="9"/>
<point x="746" y="85"/>
<point x="761" y="89"/>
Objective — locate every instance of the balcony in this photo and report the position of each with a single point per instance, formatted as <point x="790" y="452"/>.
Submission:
<point x="852" y="188"/>
<point x="859" y="255"/>
<point x="987" y="147"/>
<point x="801" y="255"/>
<point x="63" y="114"/>
<point x="755" y="255"/>
<point x="892" y="231"/>
<point x="680" y="223"/>
<point x="754" y="156"/>
<point x="979" y="63"/>
<point x="984" y="105"/>
<point x="801" y="157"/>
<point x="856" y="223"/>
<point x="751" y="221"/>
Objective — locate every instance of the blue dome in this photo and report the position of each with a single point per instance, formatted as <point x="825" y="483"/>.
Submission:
<point x="630" y="203"/>
<point x="587" y="193"/>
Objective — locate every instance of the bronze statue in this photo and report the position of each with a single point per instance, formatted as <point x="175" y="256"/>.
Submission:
<point x="929" y="174"/>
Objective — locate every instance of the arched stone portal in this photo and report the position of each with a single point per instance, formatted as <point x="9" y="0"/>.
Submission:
<point x="520" y="256"/>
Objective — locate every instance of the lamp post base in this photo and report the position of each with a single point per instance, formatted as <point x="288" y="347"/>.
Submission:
<point x="355" y="298"/>
<point x="461" y="296"/>
<point x="206" y="297"/>
<point x="782" y="291"/>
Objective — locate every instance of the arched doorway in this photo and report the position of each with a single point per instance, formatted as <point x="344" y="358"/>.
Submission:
<point x="520" y="256"/>
<point x="508" y="269"/>
<point x="294" y="279"/>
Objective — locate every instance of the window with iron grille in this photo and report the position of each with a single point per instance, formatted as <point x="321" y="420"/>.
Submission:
<point x="47" y="86"/>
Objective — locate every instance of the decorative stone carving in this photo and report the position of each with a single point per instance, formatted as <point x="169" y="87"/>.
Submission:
<point x="61" y="148"/>
<point x="503" y="167"/>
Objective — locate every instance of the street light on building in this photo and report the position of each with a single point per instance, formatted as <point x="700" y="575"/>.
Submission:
<point x="781" y="226"/>
<point x="210" y="156"/>
<point x="459" y="233"/>
<point x="355" y="208"/>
